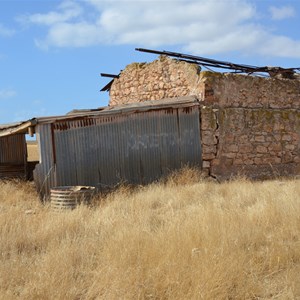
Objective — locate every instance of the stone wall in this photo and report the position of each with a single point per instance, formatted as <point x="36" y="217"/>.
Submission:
<point x="256" y="142"/>
<point x="249" y="125"/>
<point x="163" y="78"/>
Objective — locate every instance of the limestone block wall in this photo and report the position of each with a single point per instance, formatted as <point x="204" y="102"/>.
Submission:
<point x="232" y="90"/>
<point x="163" y="78"/>
<point x="249" y="125"/>
<point x="256" y="142"/>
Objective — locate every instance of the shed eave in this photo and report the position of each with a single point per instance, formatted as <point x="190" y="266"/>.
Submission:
<point x="17" y="129"/>
<point x="185" y="101"/>
<point x="23" y="127"/>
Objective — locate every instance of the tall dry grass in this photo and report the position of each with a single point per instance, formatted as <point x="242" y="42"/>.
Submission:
<point x="200" y="240"/>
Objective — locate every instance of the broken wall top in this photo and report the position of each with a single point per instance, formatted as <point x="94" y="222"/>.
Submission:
<point x="169" y="78"/>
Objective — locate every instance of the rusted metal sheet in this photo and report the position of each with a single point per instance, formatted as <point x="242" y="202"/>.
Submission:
<point x="44" y="173"/>
<point x="136" y="144"/>
<point x="8" y="171"/>
<point x="13" y="149"/>
<point x="105" y="150"/>
<point x="13" y="156"/>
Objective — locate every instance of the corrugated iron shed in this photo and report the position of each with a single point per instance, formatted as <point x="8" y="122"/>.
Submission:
<point x="137" y="143"/>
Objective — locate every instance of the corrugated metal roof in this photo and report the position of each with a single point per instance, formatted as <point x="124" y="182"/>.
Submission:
<point x="16" y="128"/>
<point x="23" y="126"/>
<point x="122" y="109"/>
<point x="5" y="126"/>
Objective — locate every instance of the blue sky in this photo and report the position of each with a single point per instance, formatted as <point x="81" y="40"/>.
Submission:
<point x="52" y="52"/>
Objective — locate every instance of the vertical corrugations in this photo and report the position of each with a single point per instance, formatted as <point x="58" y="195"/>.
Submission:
<point x="137" y="147"/>
<point x="13" y="156"/>
<point x="189" y="135"/>
<point x="126" y="125"/>
<point x="169" y="141"/>
<point x="44" y="173"/>
<point x="12" y="149"/>
<point x="148" y="147"/>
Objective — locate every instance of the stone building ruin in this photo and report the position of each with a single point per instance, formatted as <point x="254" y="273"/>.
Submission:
<point x="250" y="125"/>
<point x="161" y="116"/>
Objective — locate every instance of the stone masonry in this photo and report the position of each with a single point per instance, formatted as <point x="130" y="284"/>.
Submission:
<point x="163" y="78"/>
<point x="249" y="125"/>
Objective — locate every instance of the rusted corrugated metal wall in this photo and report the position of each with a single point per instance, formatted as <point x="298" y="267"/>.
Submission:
<point x="13" y="156"/>
<point x="138" y="147"/>
<point x="44" y="172"/>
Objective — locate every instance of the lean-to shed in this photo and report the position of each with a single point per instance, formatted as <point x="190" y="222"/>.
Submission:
<point x="137" y="143"/>
<point x="13" y="154"/>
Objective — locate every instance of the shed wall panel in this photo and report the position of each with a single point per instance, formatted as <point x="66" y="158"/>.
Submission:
<point x="13" y="156"/>
<point x="45" y="172"/>
<point x="13" y="149"/>
<point x="137" y="148"/>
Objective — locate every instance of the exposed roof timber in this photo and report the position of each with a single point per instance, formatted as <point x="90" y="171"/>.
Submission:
<point x="21" y="127"/>
<point x="106" y="88"/>
<point x="109" y="75"/>
<point x="4" y="126"/>
<point x="290" y="73"/>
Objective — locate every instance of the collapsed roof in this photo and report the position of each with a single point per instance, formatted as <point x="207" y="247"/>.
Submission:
<point x="212" y="64"/>
<point x="290" y="73"/>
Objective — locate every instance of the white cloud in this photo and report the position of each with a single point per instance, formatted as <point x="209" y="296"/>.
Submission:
<point x="280" y="46"/>
<point x="67" y="11"/>
<point x="172" y="22"/>
<point x="200" y="26"/>
<point x="246" y="38"/>
<point x="71" y="35"/>
<point x="7" y="93"/>
<point x="6" y="32"/>
<point x="281" y="13"/>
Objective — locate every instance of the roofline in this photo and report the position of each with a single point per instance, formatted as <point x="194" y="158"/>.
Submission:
<point x="124" y="109"/>
<point x="22" y="128"/>
<point x="28" y="126"/>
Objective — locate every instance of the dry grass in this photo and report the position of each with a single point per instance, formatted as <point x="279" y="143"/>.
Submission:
<point x="32" y="151"/>
<point x="200" y="240"/>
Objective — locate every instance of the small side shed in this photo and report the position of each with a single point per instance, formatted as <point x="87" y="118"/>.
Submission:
<point x="13" y="156"/>
<point x="136" y="143"/>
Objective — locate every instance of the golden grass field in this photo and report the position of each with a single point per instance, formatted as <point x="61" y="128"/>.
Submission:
<point x="184" y="238"/>
<point x="32" y="151"/>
